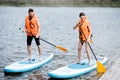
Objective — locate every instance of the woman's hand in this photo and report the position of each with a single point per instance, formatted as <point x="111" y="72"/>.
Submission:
<point x="74" y="27"/>
<point x="88" y="39"/>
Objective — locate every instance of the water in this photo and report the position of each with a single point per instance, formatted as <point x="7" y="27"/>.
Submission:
<point x="57" y="27"/>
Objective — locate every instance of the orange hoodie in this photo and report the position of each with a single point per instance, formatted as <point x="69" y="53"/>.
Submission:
<point x="32" y="26"/>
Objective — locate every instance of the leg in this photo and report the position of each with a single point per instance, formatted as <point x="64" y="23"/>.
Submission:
<point x="29" y="51"/>
<point x="40" y="52"/>
<point x="79" y="51"/>
<point x="29" y="40"/>
<point x="37" y="40"/>
<point x="88" y="52"/>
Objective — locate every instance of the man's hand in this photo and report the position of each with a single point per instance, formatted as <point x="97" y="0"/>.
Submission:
<point x="24" y="30"/>
<point x="37" y="36"/>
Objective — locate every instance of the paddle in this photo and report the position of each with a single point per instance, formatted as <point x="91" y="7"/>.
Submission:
<point x="100" y="67"/>
<point x="59" y="47"/>
<point x="56" y="46"/>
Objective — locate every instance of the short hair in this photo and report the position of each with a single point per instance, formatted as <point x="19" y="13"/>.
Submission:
<point x="30" y="10"/>
<point x="81" y="14"/>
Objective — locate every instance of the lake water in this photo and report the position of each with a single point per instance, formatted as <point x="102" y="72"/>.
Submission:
<point x="57" y="27"/>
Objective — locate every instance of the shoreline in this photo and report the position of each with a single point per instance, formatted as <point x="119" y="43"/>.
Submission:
<point x="59" y="5"/>
<point x="113" y="71"/>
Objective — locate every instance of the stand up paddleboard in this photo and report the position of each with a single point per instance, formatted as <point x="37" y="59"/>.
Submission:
<point x="74" y="69"/>
<point x="26" y="65"/>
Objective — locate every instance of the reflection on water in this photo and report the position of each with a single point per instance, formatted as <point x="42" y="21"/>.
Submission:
<point x="57" y="27"/>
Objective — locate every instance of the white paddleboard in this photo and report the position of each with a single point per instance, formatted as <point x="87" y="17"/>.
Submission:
<point x="26" y="65"/>
<point x="74" y="69"/>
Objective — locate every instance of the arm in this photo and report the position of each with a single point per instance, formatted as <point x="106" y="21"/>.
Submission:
<point x="90" y="32"/>
<point x="38" y="24"/>
<point x="24" y="29"/>
<point x="76" y="26"/>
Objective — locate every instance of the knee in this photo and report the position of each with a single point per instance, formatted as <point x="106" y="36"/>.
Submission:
<point x="28" y="46"/>
<point x="39" y="46"/>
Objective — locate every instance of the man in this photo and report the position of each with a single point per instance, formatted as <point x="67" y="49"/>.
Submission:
<point x="32" y="29"/>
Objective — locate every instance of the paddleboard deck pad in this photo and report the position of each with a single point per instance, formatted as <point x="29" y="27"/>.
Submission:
<point x="74" y="69"/>
<point x="28" y="64"/>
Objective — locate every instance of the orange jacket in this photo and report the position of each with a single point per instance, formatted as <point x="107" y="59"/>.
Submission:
<point x="32" y="26"/>
<point x="83" y="26"/>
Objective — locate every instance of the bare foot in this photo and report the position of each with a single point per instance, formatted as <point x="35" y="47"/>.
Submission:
<point x="29" y="59"/>
<point x="77" y="62"/>
<point x="90" y="64"/>
<point x="40" y="59"/>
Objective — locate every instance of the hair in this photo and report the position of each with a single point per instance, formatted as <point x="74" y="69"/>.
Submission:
<point x="81" y="14"/>
<point x="30" y="10"/>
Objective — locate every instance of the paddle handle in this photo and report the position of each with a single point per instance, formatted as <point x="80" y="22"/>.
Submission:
<point x="89" y="45"/>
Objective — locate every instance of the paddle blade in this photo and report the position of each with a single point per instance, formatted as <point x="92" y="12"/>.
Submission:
<point x="61" y="48"/>
<point x="100" y="67"/>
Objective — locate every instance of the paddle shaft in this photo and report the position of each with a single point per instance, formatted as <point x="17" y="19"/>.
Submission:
<point x="47" y="42"/>
<point x="89" y="45"/>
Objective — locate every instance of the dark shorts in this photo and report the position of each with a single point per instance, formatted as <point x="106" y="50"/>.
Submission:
<point x="29" y="40"/>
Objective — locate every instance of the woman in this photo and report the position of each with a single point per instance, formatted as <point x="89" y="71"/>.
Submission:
<point x="84" y="36"/>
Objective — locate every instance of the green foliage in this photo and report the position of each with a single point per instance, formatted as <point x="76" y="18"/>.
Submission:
<point x="62" y="2"/>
